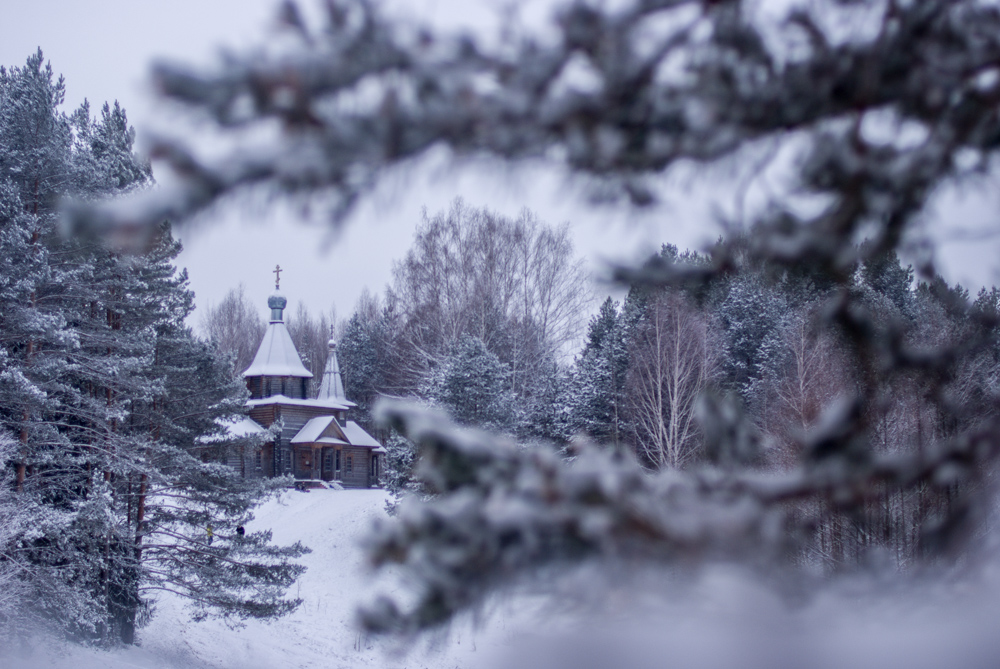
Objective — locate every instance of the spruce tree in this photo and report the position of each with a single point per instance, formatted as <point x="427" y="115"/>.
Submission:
<point x="472" y="385"/>
<point x="364" y="352"/>
<point x="597" y="405"/>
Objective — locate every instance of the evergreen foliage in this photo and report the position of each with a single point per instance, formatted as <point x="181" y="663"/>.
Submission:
<point x="750" y="315"/>
<point x="596" y="402"/>
<point x="365" y="354"/>
<point x="472" y="385"/>
<point x="397" y="475"/>
<point x="106" y="398"/>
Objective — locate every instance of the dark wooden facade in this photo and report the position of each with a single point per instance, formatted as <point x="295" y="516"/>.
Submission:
<point x="295" y="387"/>
<point x="351" y="466"/>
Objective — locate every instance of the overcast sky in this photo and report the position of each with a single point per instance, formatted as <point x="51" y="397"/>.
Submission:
<point x="104" y="48"/>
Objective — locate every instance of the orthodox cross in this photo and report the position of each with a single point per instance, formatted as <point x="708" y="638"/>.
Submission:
<point x="277" y="276"/>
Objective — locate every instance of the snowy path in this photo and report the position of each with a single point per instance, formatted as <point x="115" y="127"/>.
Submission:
<point x="319" y="634"/>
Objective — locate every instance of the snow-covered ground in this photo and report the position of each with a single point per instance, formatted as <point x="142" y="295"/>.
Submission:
<point x="723" y="618"/>
<point x="320" y="633"/>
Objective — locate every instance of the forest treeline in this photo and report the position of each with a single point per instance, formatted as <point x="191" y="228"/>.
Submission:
<point x="112" y="411"/>
<point x="483" y="320"/>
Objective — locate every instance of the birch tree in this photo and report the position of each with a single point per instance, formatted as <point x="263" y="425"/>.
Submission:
<point x="811" y="373"/>
<point x="311" y="336"/>
<point x="674" y="359"/>
<point x="513" y="283"/>
<point x="236" y="327"/>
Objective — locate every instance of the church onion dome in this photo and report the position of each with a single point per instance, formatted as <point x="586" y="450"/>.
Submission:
<point x="276" y="303"/>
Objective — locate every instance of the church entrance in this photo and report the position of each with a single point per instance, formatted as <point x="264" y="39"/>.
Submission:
<point x="327" y="473"/>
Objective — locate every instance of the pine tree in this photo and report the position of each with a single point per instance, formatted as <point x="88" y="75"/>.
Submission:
<point x="592" y="402"/>
<point x="885" y="275"/>
<point x="397" y="475"/>
<point x="108" y="395"/>
<point x="546" y="414"/>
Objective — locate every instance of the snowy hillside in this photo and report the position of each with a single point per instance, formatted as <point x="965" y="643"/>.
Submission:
<point x="319" y="634"/>
<point x="725" y="618"/>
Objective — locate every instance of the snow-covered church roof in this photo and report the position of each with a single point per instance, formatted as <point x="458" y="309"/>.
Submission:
<point x="358" y="437"/>
<point x="277" y="355"/>
<point x="326" y="430"/>
<point x="332" y="387"/>
<point x="332" y="403"/>
<point x="234" y="428"/>
<point x="317" y="431"/>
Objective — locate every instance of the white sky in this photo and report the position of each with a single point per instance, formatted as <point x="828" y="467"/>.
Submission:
<point x="104" y="48"/>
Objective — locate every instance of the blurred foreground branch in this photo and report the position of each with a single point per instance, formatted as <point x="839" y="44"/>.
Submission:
<point x="500" y="512"/>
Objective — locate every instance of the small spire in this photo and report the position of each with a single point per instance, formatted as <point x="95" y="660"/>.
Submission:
<point x="332" y="385"/>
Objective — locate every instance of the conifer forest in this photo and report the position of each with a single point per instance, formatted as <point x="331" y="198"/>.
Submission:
<point x="807" y="407"/>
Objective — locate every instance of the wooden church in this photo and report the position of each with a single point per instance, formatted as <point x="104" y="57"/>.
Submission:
<point x="315" y="441"/>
